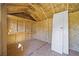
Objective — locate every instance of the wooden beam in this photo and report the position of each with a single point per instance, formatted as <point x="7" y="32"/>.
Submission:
<point x="4" y="31"/>
<point x="0" y="33"/>
<point x="23" y="15"/>
<point x="19" y="18"/>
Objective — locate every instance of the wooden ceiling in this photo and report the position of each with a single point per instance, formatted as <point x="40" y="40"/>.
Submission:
<point x="39" y="11"/>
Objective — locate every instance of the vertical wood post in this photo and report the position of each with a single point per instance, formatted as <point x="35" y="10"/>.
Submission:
<point x="4" y="31"/>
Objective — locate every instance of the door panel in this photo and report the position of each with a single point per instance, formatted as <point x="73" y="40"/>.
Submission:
<point x="60" y="33"/>
<point x="57" y="42"/>
<point x="57" y="33"/>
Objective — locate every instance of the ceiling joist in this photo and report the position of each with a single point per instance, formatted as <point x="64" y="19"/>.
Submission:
<point x="39" y="11"/>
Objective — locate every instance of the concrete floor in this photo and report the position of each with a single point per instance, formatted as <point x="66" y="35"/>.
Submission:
<point x="40" y="48"/>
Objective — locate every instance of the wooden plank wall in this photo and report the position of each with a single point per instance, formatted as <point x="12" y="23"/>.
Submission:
<point x="19" y="31"/>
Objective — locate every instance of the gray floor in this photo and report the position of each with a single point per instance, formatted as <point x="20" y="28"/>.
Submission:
<point x="40" y="48"/>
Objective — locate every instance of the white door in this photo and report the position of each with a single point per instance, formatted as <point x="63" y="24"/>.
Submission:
<point x="60" y="32"/>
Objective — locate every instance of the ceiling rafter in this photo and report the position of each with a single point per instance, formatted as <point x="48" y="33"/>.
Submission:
<point x="18" y="18"/>
<point x="41" y="11"/>
<point x="23" y="15"/>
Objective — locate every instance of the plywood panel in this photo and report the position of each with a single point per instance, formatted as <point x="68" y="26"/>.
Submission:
<point x="74" y="30"/>
<point x="12" y="26"/>
<point x="16" y="35"/>
<point x="41" y="30"/>
<point x="28" y="30"/>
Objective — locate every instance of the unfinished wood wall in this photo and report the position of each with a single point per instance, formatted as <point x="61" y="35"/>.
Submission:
<point x="19" y="31"/>
<point x="74" y="30"/>
<point x="42" y="30"/>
